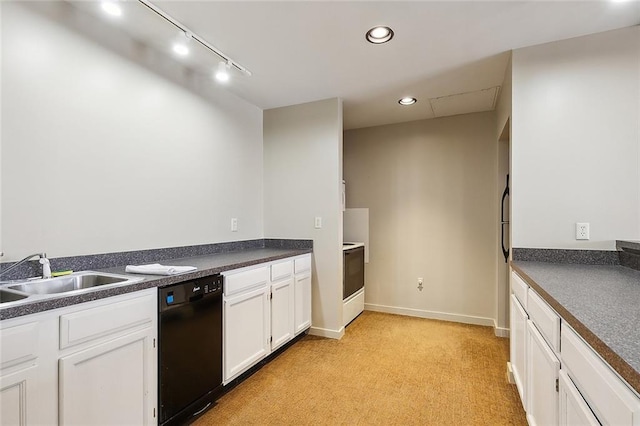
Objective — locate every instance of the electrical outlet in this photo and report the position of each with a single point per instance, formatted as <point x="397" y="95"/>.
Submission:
<point x="234" y="224"/>
<point x="318" y="222"/>
<point x="582" y="231"/>
<point x="420" y="287"/>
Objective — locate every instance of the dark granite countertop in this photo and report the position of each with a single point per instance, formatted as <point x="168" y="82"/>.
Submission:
<point x="600" y="302"/>
<point x="206" y="264"/>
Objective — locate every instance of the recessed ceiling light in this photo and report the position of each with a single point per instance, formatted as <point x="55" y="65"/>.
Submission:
<point x="379" y="35"/>
<point x="407" y="101"/>
<point x="181" y="49"/>
<point x="111" y="8"/>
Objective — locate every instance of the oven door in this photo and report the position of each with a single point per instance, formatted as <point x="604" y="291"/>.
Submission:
<point x="353" y="271"/>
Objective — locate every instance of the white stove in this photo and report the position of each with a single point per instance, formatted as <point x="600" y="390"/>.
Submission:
<point x="348" y="246"/>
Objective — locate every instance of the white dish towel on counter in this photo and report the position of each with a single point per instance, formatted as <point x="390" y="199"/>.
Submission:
<point x="158" y="269"/>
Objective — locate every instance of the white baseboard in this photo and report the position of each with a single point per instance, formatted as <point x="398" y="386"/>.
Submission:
<point x="465" y="319"/>
<point x="326" y="332"/>
<point x="510" y="377"/>
<point x="501" y="331"/>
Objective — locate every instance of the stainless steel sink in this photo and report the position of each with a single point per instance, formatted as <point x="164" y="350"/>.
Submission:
<point x="73" y="282"/>
<point x="7" y="296"/>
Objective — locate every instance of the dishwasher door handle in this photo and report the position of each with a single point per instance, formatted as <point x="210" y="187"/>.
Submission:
<point x="201" y="410"/>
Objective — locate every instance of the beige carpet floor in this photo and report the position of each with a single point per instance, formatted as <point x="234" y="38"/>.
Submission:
<point x="387" y="369"/>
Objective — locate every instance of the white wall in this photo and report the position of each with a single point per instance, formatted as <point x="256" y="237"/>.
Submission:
<point x="102" y="154"/>
<point x="430" y="187"/>
<point x="1" y="107"/>
<point x="576" y="141"/>
<point x="503" y="106"/>
<point x="503" y="134"/>
<point x="302" y="180"/>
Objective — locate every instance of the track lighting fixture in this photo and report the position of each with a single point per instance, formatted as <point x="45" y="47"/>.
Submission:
<point x="222" y="72"/>
<point x="227" y="61"/>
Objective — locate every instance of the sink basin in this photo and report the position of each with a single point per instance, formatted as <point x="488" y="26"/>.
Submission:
<point x="70" y="283"/>
<point x="6" y="296"/>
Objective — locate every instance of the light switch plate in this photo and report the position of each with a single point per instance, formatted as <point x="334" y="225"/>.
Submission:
<point x="234" y="224"/>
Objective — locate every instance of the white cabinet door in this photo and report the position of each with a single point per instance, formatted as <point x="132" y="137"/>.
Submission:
<point x="302" y="317"/>
<point x="110" y="383"/>
<point x="542" y="375"/>
<point x="28" y="379"/>
<point x="574" y="410"/>
<point x="518" y="347"/>
<point x="18" y="398"/>
<point x="247" y="336"/>
<point x="282" y="301"/>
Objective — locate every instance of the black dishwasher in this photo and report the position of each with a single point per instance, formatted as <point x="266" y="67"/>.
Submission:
<point x="190" y="348"/>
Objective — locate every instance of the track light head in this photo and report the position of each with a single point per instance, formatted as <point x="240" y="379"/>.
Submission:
<point x="223" y="72"/>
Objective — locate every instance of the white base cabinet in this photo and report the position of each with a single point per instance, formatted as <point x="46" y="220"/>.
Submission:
<point x="586" y="391"/>
<point x="518" y="346"/>
<point x="118" y="371"/>
<point x="92" y="363"/>
<point x="265" y="306"/>
<point x="18" y="397"/>
<point x="22" y="353"/>
<point x="282" y="303"/>
<point x="302" y="292"/>
<point x="609" y="398"/>
<point x="247" y="337"/>
<point x="574" y="410"/>
<point x="108" y="361"/>
<point x="542" y="376"/>
<point x="282" y="312"/>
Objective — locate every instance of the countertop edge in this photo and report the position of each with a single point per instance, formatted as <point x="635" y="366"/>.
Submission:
<point x="149" y="281"/>
<point x="617" y="363"/>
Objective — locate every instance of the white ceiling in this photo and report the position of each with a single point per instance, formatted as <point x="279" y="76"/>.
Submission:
<point x="302" y="51"/>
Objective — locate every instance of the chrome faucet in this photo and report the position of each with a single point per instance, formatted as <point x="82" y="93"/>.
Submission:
<point x="46" y="268"/>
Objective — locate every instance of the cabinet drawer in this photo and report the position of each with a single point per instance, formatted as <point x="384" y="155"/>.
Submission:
<point x="235" y="282"/>
<point x="19" y="344"/>
<point x="303" y="264"/>
<point x="281" y="270"/>
<point x="608" y="396"/>
<point x="545" y="319"/>
<point x="519" y="288"/>
<point x="94" y="323"/>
